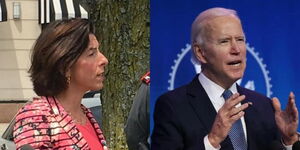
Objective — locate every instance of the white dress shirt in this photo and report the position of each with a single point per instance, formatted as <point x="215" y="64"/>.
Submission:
<point x="214" y="92"/>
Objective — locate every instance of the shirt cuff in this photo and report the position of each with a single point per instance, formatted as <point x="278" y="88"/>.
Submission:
<point x="208" y="146"/>
<point x="287" y="147"/>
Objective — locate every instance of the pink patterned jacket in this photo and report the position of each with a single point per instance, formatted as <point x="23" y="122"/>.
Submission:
<point x="44" y="124"/>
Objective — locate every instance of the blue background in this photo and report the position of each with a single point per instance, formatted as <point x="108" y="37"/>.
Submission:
<point x="272" y="28"/>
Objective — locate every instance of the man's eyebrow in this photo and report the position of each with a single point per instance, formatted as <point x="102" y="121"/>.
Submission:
<point x="240" y="36"/>
<point x="224" y="38"/>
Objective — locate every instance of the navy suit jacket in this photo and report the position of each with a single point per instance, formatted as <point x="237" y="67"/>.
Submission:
<point x="184" y="116"/>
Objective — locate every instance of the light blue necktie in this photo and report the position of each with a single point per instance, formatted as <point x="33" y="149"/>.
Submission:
<point x="236" y="134"/>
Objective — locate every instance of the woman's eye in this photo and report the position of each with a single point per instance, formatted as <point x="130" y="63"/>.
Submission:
<point x="91" y="54"/>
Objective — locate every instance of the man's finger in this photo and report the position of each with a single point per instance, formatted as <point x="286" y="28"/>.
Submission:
<point x="234" y="100"/>
<point x="237" y="110"/>
<point x="234" y="96"/>
<point x="292" y="95"/>
<point x="236" y="117"/>
<point x="276" y="104"/>
<point x="291" y="106"/>
<point x="291" y="101"/>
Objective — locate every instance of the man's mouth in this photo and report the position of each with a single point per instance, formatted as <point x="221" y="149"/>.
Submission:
<point x="235" y="63"/>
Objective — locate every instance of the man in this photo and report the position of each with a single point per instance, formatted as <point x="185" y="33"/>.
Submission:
<point x="212" y="111"/>
<point x="137" y="126"/>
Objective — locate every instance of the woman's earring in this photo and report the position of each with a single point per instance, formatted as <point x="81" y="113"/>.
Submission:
<point x="68" y="80"/>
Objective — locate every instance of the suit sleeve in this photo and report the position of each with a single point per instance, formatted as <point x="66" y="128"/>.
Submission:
<point x="166" y="133"/>
<point x="31" y="127"/>
<point x="137" y="126"/>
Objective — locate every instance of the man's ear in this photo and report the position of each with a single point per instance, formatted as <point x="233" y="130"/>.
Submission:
<point x="199" y="53"/>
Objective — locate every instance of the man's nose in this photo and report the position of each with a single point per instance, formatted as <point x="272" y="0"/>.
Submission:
<point x="235" y="49"/>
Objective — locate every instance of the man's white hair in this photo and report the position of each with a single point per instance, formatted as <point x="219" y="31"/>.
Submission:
<point x="198" y="26"/>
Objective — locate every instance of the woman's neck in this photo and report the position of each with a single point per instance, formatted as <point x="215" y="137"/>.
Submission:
<point x="71" y="102"/>
<point x="70" y="99"/>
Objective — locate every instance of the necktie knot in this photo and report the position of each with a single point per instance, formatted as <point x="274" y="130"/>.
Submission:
<point x="226" y="94"/>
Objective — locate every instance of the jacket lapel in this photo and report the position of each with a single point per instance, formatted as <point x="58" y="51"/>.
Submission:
<point x="65" y="121"/>
<point x="95" y="125"/>
<point x="250" y="120"/>
<point x="201" y="104"/>
<point x="203" y="107"/>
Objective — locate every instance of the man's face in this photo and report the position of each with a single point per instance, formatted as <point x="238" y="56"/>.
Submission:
<point x="224" y="50"/>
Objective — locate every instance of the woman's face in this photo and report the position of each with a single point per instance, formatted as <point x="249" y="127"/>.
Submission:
<point x="88" y="71"/>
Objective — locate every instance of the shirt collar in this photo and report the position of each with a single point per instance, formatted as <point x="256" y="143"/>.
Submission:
<point x="213" y="90"/>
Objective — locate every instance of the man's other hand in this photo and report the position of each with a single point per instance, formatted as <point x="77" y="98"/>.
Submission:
<point x="287" y="120"/>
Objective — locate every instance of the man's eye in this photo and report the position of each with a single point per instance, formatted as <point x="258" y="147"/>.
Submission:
<point x="241" y="39"/>
<point x="223" y="41"/>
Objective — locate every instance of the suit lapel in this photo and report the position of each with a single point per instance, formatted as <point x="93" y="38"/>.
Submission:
<point x="203" y="107"/>
<point x="250" y="120"/>
<point x="65" y="121"/>
<point x="206" y="113"/>
<point x="201" y="104"/>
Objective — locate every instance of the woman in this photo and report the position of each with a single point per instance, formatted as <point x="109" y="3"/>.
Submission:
<point x="65" y="64"/>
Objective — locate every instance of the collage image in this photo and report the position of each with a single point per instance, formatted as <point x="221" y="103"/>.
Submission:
<point x="149" y="75"/>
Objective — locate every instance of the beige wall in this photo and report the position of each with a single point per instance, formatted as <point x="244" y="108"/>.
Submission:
<point x="16" y="40"/>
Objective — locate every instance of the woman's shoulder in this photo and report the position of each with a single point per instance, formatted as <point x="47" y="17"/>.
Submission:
<point x="38" y="106"/>
<point x="32" y="123"/>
